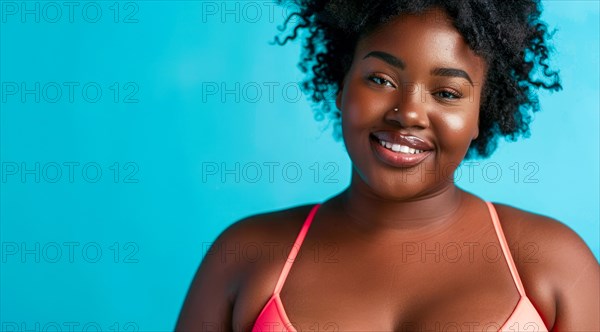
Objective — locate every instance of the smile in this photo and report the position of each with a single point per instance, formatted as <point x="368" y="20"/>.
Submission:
<point x="397" y="155"/>
<point x="399" y="148"/>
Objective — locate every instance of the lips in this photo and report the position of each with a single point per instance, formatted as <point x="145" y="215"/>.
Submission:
<point x="411" y="141"/>
<point x="400" y="159"/>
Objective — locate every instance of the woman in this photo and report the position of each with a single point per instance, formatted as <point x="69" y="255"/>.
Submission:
<point x="419" y="86"/>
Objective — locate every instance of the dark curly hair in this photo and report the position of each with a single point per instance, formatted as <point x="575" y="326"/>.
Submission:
<point x="508" y="35"/>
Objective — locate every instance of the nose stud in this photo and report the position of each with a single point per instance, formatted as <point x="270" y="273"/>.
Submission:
<point x="395" y="110"/>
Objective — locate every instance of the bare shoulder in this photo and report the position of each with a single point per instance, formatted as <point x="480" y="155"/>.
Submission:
<point x="249" y="243"/>
<point x="267" y="226"/>
<point x="552" y="239"/>
<point x="559" y="271"/>
<point x="243" y="247"/>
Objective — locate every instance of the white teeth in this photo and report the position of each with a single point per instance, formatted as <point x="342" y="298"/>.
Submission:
<point x="399" y="148"/>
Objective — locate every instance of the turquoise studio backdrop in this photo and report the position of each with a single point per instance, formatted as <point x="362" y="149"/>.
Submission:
<point x="134" y="132"/>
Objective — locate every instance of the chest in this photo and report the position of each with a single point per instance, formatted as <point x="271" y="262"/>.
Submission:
<point x="416" y="285"/>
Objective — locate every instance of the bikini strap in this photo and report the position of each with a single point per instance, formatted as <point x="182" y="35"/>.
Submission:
<point x="505" y="249"/>
<point x="295" y="249"/>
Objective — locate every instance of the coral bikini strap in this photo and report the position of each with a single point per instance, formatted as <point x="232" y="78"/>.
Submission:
<point x="295" y="249"/>
<point x="505" y="249"/>
<point x="496" y="221"/>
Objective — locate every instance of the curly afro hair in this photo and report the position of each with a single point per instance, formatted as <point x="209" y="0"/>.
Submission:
<point x="508" y="35"/>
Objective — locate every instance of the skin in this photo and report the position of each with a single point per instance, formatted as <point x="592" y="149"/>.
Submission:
<point x="356" y="270"/>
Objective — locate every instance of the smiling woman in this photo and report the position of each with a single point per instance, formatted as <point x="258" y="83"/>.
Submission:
<point x="399" y="67"/>
<point x="420" y="86"/>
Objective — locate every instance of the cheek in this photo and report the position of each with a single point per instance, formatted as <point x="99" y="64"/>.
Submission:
<point x="360" y="107"/>
<point x="456" y="130"/>
<point x="455" y="123"/>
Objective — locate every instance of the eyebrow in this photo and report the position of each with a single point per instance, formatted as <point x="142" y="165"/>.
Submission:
<point x="439" y="71"/>
<point x="390" y="59"/>
<point x="452" y="72"/>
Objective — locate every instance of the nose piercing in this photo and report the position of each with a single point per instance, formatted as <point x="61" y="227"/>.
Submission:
<point x="395" y="110"/>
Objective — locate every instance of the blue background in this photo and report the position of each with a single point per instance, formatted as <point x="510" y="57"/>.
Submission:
<point x="117" y="250"/>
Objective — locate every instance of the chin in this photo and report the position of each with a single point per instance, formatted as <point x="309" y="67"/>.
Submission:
<point x="401" y="185"/>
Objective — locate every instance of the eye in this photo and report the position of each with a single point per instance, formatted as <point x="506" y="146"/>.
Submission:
<point x="380" y="81"/>
<point x="448" y="94"/>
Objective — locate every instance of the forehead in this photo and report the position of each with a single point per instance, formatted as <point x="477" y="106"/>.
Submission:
<point x="425" y="38"/>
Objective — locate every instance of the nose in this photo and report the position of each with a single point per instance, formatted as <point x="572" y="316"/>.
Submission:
<point x="410" y="110"/>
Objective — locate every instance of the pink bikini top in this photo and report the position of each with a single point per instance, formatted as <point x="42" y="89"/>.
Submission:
<point x="523" y="318"/>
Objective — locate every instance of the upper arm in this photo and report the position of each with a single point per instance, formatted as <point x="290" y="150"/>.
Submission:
<point x="577" y="283"/>
<point x="210" y="298"/>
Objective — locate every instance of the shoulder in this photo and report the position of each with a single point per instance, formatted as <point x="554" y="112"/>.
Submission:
<point x="556" y="266"/>
<point x="243" y="247"/>
<point x="552" y="239"/>
<point x="267" y="226"/>
<point x="249" y="243"/>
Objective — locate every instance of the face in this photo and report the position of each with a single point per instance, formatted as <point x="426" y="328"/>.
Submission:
<point x="421" y="66"/>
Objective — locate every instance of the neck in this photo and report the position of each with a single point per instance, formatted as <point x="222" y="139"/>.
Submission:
<point x="373" y="213"/>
